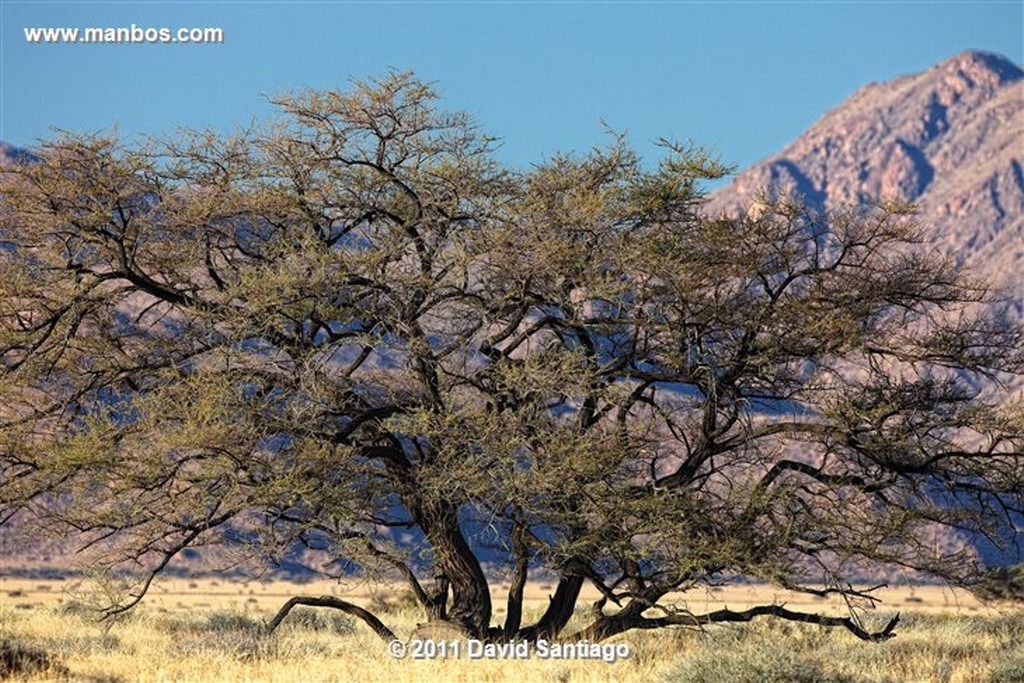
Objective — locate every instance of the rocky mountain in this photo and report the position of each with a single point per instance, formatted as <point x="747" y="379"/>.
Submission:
<point x="949" y="139"/>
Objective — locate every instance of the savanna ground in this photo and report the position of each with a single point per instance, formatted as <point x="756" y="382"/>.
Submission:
<point x="214" y="630"/>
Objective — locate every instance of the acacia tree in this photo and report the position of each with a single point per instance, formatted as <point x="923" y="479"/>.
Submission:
<point x="353" y="331"/>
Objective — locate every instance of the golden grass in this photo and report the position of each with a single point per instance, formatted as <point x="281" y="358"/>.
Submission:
<point x="212" y="631"/>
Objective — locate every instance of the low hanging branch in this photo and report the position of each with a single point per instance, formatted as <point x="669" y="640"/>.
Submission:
<point x="328" y="601"/>
<point x="727" y="615"/>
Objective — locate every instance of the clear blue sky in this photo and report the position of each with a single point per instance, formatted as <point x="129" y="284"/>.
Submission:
<point x="743" y="78"/>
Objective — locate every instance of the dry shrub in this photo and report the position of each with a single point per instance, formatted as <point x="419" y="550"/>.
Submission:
<point x="394" y="602"/>
<point x="1010" y="669"/>
<point x="312" y="619"/>
<point x="19" y="660"/>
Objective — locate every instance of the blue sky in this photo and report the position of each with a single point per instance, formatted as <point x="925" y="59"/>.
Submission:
<point x="743" y="78"/>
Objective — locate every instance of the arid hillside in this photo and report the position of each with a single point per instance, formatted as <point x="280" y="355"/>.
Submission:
<point x="950" y="139"/>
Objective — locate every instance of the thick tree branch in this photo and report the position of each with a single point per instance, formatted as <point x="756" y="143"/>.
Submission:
<point x="370" y="619"/>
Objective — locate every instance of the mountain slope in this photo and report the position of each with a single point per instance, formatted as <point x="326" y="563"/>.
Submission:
<point x="12" y="155"/>
<point x="950" y="139"/>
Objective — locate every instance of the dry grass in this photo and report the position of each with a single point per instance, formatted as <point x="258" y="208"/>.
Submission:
<point x="213" y="631"/>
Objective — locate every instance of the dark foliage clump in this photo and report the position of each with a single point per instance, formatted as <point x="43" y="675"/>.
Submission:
<point x="1003" y="583"/>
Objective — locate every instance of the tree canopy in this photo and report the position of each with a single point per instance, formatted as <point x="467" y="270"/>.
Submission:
<point x="352" y="330"/>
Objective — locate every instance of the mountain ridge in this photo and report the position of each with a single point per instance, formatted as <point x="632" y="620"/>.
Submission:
<point x="949" y="139"/>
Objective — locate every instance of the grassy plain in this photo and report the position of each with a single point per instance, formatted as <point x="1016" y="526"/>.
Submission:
<point x="213" y="630"/>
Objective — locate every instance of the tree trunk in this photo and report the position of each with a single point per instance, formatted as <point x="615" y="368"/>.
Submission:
<point x="514" y="611"/>
<point x="605" y="627"/>
<point x="437" y="605"/>
<point x="559" y="611"/>
<point x="470" y="605"/>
